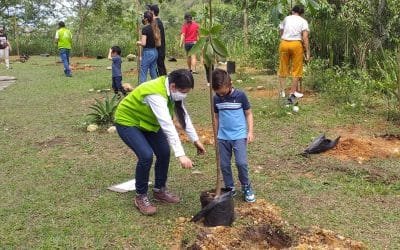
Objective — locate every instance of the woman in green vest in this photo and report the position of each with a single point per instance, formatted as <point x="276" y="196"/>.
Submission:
<point x="144" y="122"/>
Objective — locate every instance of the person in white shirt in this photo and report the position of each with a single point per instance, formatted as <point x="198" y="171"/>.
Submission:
<point x="294" y="32"/>
<point x="144" y="122"/>
<point x="5" y="47"/>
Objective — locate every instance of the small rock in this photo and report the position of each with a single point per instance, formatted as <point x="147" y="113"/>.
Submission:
<point x="181" y="219"/>
<point x="131" y="57"/>
<point x="109" y="68"/>
<point x="249" y="88"/>
<point x="197" y="172"/>
<point x="261" y="88"/>
<point x="127" y="87"/>
<point x="239" y="81"/>
<point x="91" y="90"/>
<point x="92" y="128"/>
<point x="112" y="129"/>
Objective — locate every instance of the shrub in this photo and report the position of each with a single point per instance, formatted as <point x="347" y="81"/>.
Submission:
<point x="104" y="110"/>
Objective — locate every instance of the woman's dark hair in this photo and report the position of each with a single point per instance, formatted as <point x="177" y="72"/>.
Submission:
<point x="61" y="24"/>
<point x="183" y="79"/>
<point x="154" y="27"/>
<point x="188" y="17"/>
<point x="220" y="78"/>
<point x="299" y="9"/>
<point x="116" y="49"/>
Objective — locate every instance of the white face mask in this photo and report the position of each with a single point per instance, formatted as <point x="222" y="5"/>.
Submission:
<point x="178" y="96"/>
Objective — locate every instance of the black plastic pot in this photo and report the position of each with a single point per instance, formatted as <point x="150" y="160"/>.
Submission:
<point x="231" y="67"/>
<point x="216" y="211"/>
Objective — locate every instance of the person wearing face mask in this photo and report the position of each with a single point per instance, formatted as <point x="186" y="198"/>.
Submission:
<point x="144" y="122"/>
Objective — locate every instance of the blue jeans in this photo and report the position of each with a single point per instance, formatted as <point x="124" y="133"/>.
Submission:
<point x="64" y="55"/>
<point x="239" y="148"/>
<point x="144" y="144"/>
<point x="149" y="62"/>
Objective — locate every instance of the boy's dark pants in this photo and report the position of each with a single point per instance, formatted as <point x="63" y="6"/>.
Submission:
<point x="117" y="84"/>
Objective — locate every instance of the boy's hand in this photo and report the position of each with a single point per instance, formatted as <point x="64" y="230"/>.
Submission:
<point x="250" y="137"/>
<point x="200" y="148"/>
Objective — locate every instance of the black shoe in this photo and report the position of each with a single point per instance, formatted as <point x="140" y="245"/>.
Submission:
<point x="292" y="99"/>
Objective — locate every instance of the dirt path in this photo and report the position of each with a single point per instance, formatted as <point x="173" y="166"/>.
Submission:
<point x="6" y="81"/>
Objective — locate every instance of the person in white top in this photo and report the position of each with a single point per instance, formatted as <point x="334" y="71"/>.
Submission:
<point x="294" y="32"/>
<point x="5" y="47"/>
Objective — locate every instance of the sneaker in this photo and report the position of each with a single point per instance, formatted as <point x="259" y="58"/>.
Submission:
<point x="291" y="99"/>
<point x="164" y="195"/>
<point x="298" y="94"/>
<point x="248" y="194"/>
<point x="232" y="190"/>
<point x="144" y="205"/>
<point x="282" y="94"/>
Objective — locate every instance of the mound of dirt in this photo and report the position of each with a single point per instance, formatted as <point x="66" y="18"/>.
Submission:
<point x="206" y="136"/>
<point x="260" y="226"/>
<point x="365" y="148"/>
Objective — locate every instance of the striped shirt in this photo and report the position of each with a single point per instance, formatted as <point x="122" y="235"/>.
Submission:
<point x="232" y="124"/>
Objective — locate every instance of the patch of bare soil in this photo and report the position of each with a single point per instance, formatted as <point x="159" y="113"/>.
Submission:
<point x="358" y="146"/>
<point x="52" y="142"/>
<point x="206" y="135"/>
<point x="260" y="226"/>
<point x="131" y="72"/>
<point x="309" y="96"/>
<point x="85" y="67"/>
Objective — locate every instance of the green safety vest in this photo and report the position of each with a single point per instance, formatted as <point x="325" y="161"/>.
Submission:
<point x="132" y="111"/>
<point x="64" y="38"/>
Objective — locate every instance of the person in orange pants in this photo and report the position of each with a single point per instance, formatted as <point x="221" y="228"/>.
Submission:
<point x="294" y="32"/>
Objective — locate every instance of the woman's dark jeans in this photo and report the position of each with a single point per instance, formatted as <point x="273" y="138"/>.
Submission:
<point x="144" y="144"/>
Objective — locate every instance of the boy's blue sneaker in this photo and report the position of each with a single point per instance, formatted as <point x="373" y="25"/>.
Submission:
<point x="248" y="194"/>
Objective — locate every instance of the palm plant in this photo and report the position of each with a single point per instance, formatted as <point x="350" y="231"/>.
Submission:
<point x="104" y="110"/>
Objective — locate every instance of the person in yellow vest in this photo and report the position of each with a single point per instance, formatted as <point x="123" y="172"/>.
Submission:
<point x="63" y="39"/>
<point x="144" y="122"/>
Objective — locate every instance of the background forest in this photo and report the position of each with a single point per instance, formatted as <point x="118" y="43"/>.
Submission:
<point x="353" y="43"/>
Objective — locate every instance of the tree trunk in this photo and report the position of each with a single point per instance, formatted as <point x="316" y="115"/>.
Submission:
<point x="16" y="36"/>
<point x="82" y="35"/>
<point x="398" y="76"/>
<point x="245" y="25"/>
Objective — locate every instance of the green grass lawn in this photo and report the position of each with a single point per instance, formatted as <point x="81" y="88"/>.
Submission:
<point x="54" y="174"/>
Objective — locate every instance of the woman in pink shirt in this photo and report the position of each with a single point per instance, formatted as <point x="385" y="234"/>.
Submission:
<point x="189" y="36"/>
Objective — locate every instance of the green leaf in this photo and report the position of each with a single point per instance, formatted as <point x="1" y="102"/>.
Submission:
<point x="209" y="54"/>
<point x="198" y="47"/>
<point x="215" y="29"/>
<point x="219" y="47"/>
<point x="204" y="32"/>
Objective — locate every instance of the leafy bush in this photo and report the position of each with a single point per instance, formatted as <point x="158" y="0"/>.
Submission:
<point x="340" y="85"/>
<point x="104" y="110"/>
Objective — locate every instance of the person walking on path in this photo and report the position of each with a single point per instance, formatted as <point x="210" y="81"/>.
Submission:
<point x="234" y="121"/>
<point x="189" y="37"/>
<point x="114" y="54"/>
<point x="5" y="47"/>
<point x="63" y="39"/>
<point x="294" y="32"/>
<point x="144" y="122"/>
<point x="150" y="39"/>
<point x="161" y="69"/>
